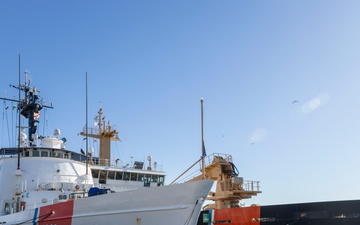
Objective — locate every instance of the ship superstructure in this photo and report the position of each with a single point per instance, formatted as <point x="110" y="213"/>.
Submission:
<point x="108" y="173"/>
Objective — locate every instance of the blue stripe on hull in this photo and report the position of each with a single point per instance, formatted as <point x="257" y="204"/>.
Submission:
<point x="35" y="216"/>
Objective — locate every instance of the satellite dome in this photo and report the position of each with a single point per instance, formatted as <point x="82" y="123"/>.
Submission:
<point x="57" y="132"/>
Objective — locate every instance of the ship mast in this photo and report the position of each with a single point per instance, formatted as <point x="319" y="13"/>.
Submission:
<point x="19" y="132"/>
<point x="29" y="107"/>
<point x="105" y="133"/>
<point x="87" y="128"/>
<point x="202" y="139"/>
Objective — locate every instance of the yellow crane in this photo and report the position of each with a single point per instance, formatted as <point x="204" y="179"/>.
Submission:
<point x="230" y="188"/>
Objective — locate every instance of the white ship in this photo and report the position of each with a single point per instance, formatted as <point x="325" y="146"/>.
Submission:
<point x="43" y="183"/>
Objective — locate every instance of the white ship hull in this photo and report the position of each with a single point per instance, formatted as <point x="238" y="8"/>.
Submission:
<point x="174" y="204"/>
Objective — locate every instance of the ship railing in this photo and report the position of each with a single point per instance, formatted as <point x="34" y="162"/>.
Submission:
<point x="239" y="184"/>
<point x="118" y="164"/>
<point x="99" y="162"/>
<point x="52" y="185"/>
<point x="250" y="185"/>
<point x="91" y="130"/>
<point x="209" y="159"/>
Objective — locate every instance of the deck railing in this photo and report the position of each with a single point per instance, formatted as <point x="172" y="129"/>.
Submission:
<point x="242" y="185"/>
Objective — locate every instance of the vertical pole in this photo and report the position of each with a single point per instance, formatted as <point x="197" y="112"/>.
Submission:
<point x="203" y="154"/>
<point x="18" y="162"/>
<point x="86" y="126"/>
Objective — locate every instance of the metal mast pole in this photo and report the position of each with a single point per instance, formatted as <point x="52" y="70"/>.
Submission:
<point x="87" y="149"/>
<point x="18" y="162"/>
<point x="202" y="138"/>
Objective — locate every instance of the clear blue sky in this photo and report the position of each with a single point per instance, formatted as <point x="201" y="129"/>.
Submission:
<point x="150" y="62"/>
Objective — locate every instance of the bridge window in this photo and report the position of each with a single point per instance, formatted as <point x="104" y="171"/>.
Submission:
<point x="111" y="175"/>
<point x="95" y="174"/>
<point x="161" y="179"/>
<point x="148" y="178"/>
<point x="154" y="178"/>
<point x="133" y="176"/>
<point x="119" y="175"/>
<point x="140" y="177"/>
<point x="126" y="175"/>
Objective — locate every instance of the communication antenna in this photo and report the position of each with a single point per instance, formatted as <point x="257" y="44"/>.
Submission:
<point x="87" y="127"/>
<point x="203" y="151"/>
<point x="18" y="162"/>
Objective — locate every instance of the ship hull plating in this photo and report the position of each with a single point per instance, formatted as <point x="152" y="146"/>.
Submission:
<point x="177" y="204"/>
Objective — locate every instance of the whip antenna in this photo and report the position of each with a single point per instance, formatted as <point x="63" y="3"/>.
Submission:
<point x="203" y="151"/>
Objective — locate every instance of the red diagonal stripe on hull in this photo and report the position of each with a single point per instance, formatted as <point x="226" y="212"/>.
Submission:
<point x="59" y="214"/>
